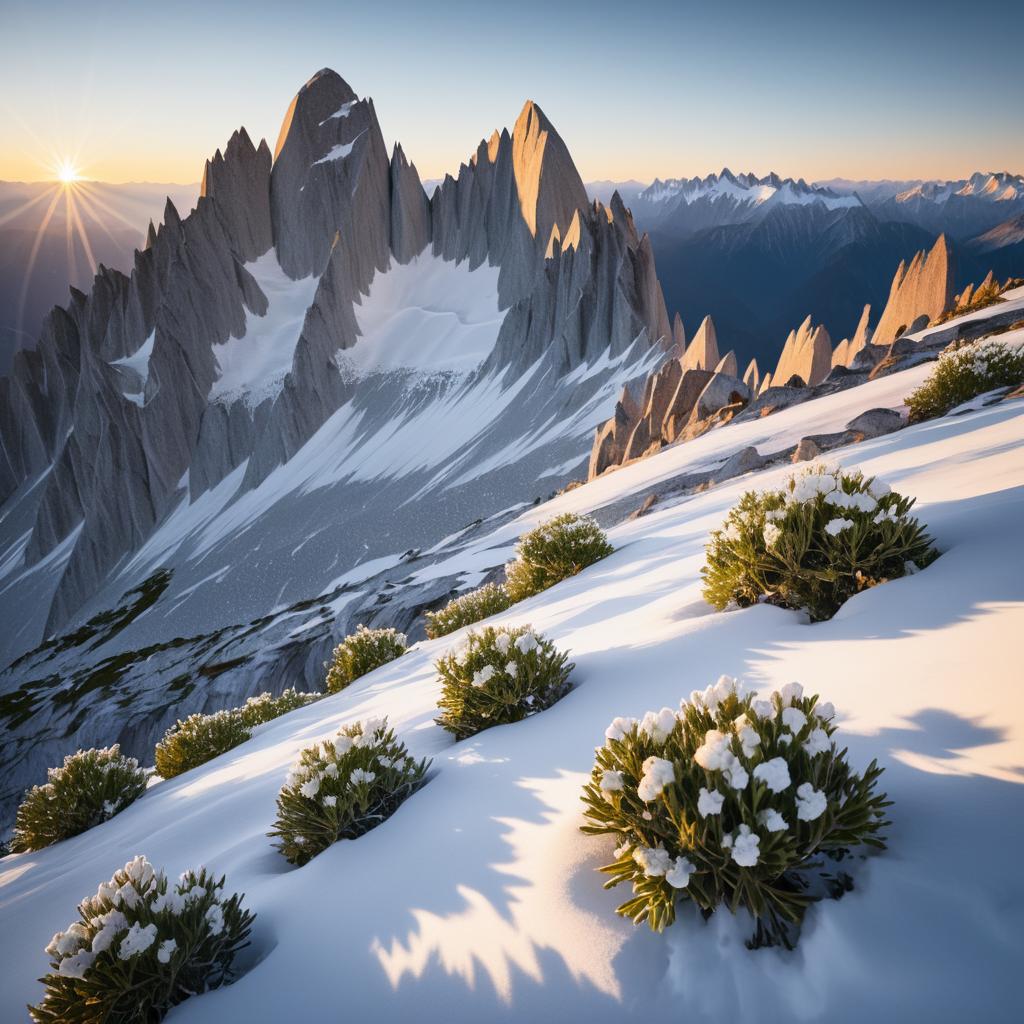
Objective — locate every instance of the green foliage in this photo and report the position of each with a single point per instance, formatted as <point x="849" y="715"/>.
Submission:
<point x="552" y="552"/>
<point x="826" y="535"/>
<point x="727" y="802"/>
<point x="962" y="373"/>
<point x="90" y="787"/>
<point x="478" y="604"/>
<point x="496" y="676"/>
<point x="264" y="708"/>
<point x="141" y="946"/>
<point x="341" y="788"/>
<point x="198" y="739"/>
<point x="361" y="652"/>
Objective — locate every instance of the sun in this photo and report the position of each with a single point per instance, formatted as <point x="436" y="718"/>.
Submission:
<point x="67" y="173"/>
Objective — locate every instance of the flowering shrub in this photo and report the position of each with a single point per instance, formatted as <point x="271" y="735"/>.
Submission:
<point x="141" y="946"/>
<point x="499" y="675"/>
<point x="727" y="802"/>
<point x="264" y="708"/>
<point x="90" y="787"/>
<point x="826" y="535"/>
<point x="552" y="552"/>
<point x="341" y="788"/>
<point x="478" y="604"/>
<point x="198" y="739"/>
<point x="964" y="371"/>
<point x="361" y="652"/>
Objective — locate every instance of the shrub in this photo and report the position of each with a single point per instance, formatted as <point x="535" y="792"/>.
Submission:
<point x="141" y="946"/>
<point x="478" y="604"/>
<point x="826" y="535"/>
<point x="552" y="552"/>
<point x="497" y="676"/>
<point x="341" y="788"/>
<point x="361" y="652"/>
<point x="962" y="373"/>
<point x="265" y="708"/>
<point x="198" y="739"/>
<point x="727" y="802"/>
<point x="90" y="787"/>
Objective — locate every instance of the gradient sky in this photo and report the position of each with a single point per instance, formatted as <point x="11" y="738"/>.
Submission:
<point x="146" y="91"/>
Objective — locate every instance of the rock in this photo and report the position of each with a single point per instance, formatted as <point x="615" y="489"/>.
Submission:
<point x="924" y="288"/>
<point x="746" y="460"/>
<point x="796" y="381"/>
<point x="727" y="364"/>
<point x="875" y="422"/>
<point x="723" y="389"/>
<point x="847" y="350"/>
<point x="648" y="503"/>
<point x="806" y="450"/>
<point x="702" y="352"/>
<point x="410" y="209"/>
<point x="691" y="384"/>
<point x="752" y="376"/>
<point x="807" y="354"/>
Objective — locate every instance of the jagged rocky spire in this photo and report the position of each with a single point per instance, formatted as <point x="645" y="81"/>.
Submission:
<point x="921" y="291"/>
<point x="807" y="354"/>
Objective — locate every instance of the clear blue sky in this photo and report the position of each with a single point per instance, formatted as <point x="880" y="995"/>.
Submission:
<point x="147" y="90"/>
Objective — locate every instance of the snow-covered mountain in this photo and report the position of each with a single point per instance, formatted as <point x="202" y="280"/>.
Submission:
<point x="317" y="369"/>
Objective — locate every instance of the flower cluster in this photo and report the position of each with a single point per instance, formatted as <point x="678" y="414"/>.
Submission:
<point x="965" y="371"/>
<point x="197" y="739"/>
<point x="497" y="676"/>
<point x="265" y="708"/>
<point x="343" y="787"/>
<point x="727" y="801"/>
<point x="478" y="604"/>
<point x="554" y="551"/>
<point x="827" y="534"/>
<point x="90" y="787"/>
<point x="361" y="652"/>
<point x="141" y="946"/>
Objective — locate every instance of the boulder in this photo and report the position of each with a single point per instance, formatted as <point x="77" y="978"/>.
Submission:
<point x="875" y="422"/>
<point x="723" y="389"/>
<point x="746" y="460"/>
<point x="806" y="451"/>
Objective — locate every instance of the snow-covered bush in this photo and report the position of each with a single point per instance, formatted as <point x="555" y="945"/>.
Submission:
<point x="361" y="652"/>
<point x="552" y="552"/>
<point x="827" y="534"/>
<point x="90" y="787"/>
<point x="727" y="802"/>
<point x="963" y="372"/>
<point x="197" y="739"/>
<point x="265" y="708"/>
<point x="478" y="604"/>
<point x="141" y="946"/>
<point x="497" y="676"/>
<point x="343" y="787"/>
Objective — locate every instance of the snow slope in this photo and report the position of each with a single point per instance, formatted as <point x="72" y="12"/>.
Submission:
<point x="479" y="901"/>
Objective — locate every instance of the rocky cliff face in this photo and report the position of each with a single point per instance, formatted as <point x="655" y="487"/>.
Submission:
<point x="922" y="288"/>
<point x="807" y="354"/>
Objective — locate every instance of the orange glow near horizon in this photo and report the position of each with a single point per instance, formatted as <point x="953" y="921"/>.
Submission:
<point x="67" y="172"/>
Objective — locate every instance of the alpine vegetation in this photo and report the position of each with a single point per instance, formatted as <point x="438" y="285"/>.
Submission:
<point x="826" y="535"/>
<point x="265" y="708"/>
<point x="141" y="946"/>
<point x="496" y="676"/>
<point x="361" y="652"/>
<point x="197" y="739"/>
<point x="727" y="802"/>
<point x="343" y="787"/>
<point x="482" y="603"/>
<point x="963" y="372"/>
<point x="90" y="787"/>
<point x="552" y="552"/>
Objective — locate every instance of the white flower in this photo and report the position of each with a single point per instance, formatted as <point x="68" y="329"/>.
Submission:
<point x="483" y="675"/>
<point x="785" y="738"/>
<point x="879" y="488"/>
<point x="653" y="863"/>
<point x="526" y="643"/>
<point x="762" y="708"/>
<point x="709" y="802"/>
<point x="106" y="891"/>
<point x="76" y="966"/>
<point x="836" y="526"/>
<point x="711" y="754"/>
<point x="511" y="669"/>
<point x="732" y="532"/>
<point x="215" y="919"/>
<point x="611" y="782"/>
<point x="343" y="744"/>
<point x="826" y="712"/>
<point x="771" y="534"/>
<point x="110" y="925"/>
<point x="619" y="728"/>
<point x="166" y="948"/>
<point x="793" y="718"/>
<point x="749" y="740"/>
<point x="140" y="871"/>
<point x="502" y="642"/>
<point x="360" y="775"/>
<point x="727" y="841"/>
<point x="771" y="820"/>
<point x="658" y="773"/>
<point x="745" y="849"/>
<point x="126" y="896"/>
<point x="138" y="940"/>
<point x="678" y="876"/>
<point x="810" y="802"/>
<point x="311" y="788"/>
<point x="774" y="774"/>
<point x="330" y="801"/>
<point x="735" y="774"/>
<point x="817" y="743"/>
<point x="657" y="725"/>
<point x="791" y="692"/>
